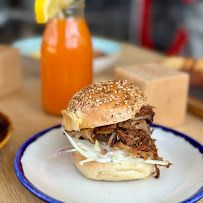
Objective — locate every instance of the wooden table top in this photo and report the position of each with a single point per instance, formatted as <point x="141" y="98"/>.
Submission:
<point x="25" y="110"/>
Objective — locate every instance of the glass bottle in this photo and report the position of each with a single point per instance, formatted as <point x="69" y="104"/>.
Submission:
<point x="66" y="58"/>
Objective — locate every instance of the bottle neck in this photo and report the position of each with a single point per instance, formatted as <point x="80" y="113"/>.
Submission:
<point x="73" y="12"/>
<point x="75" y="9"/>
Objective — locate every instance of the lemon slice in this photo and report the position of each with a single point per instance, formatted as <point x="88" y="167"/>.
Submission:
<point x="46" y="9"/>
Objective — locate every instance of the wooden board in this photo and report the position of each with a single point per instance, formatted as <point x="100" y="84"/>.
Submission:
<point x="195" y="101"/>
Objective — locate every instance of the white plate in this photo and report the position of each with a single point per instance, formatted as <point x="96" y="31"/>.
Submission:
<point x="110" y="48"/>
<point x="56" y="179"/>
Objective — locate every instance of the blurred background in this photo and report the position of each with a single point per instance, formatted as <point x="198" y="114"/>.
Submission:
<point x="170" y="26"/>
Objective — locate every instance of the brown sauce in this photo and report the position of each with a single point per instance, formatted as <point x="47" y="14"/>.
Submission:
<point x="4" y="127"/>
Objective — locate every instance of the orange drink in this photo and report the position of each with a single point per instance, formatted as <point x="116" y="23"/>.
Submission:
<point x="66" y="61"/>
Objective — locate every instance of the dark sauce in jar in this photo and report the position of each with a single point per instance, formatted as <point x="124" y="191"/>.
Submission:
<point x="4" y="127"/>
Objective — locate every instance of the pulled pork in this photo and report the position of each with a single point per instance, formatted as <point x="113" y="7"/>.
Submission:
<point x="133" y="135"/>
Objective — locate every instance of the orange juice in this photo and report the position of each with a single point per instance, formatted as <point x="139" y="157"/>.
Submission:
<point x="66" y="62"/>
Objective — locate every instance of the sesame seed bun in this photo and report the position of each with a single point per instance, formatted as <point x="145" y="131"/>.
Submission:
<point x="112" y="171"/>
<point x="102" y="103"/>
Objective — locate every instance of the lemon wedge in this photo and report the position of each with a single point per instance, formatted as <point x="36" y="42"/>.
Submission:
<point x="46" y="9"/>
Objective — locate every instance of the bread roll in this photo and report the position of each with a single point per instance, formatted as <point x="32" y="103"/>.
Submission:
<point x="112" y="171"/>
<point x="102" y="103"/>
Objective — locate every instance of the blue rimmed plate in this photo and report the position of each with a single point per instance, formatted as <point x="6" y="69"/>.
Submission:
<point x="30" y="48"/>
<point x="55" y="179"/>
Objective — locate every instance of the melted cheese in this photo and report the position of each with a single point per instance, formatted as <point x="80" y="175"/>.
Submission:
<point x="75" y="121"/>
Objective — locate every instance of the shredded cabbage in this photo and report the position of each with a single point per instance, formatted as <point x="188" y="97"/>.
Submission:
<point x="76" y="146"/>
<point x="93" y="153"/>
<point x="96" y="146"/>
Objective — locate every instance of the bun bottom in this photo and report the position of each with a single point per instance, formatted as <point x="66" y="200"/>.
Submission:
<point x="112" y="171"/>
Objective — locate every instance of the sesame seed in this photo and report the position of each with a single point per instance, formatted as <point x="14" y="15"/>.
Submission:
<point x="101" y="93"/>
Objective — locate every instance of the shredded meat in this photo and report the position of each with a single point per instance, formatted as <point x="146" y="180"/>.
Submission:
<point x="134" y="132"/>
<point x="132" y="135"/>
<point x="103" y="151"/>
<point x="84" y="133"/>
<point x="157" y="171"/>
<point x="113" y="136"/>
<point x="108" y="129"/>
<point x="147" y="112"/>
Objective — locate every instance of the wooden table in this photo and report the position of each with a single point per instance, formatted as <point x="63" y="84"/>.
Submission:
<point x="25" y="110"/>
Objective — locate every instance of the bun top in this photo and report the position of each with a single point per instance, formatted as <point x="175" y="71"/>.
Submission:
<point x="103" y="103"/>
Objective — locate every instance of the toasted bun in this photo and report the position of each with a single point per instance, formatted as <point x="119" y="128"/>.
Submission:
<point x="102" y="103"/>
<point x="112" y="171"/>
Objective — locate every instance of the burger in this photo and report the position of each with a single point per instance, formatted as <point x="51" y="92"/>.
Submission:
<point x="108" y="125"/>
